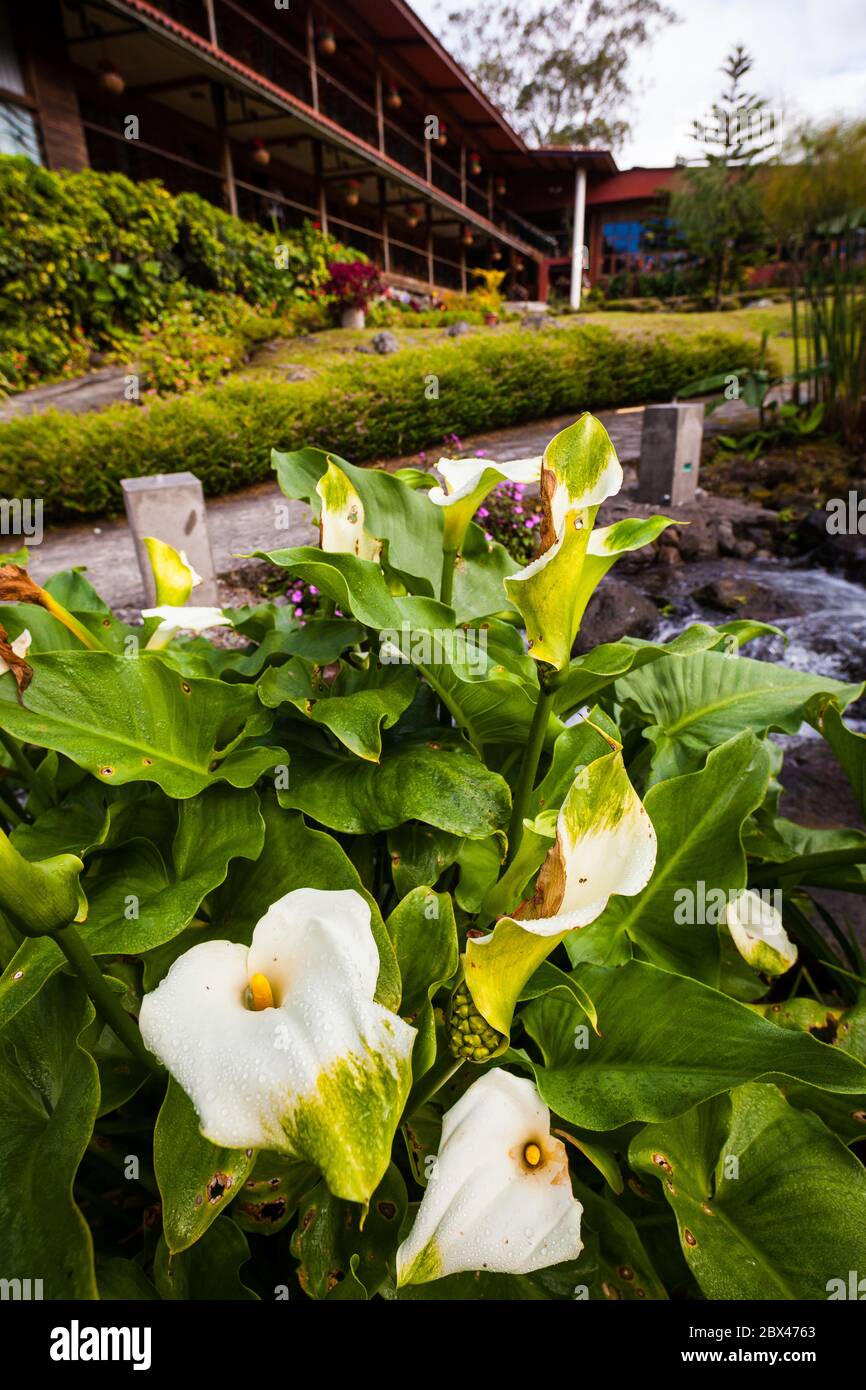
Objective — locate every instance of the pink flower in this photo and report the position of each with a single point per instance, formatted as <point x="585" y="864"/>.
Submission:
<point x="297" y="596"/>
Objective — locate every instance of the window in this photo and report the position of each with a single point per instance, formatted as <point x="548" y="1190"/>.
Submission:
<point x="18" y="130"/>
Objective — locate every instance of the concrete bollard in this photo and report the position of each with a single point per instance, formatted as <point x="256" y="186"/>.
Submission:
<point x="170" y="506"/>
<point x="670" y="453"/>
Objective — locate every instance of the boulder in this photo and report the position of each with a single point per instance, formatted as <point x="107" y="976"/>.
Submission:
<point x="384" y="343"/>
<point x="457" y="330"/>
<point x="616" y="610"/>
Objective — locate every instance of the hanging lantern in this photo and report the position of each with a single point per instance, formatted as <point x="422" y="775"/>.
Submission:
<point x="353" y="193"/>
<point x="413" y="215"/>
<point x="468" y="236"/>
<point x="442" y="137"/>
<point x="327" y="43"/>
<point x="518" y="264"/>
<point x="261" y="154"/>
<point x="393" y="99"/>
<point x="500" y="187"/>
<point x="497" y="254"/>
<point x="110" y="79"/>
<point x="475" y="164"/>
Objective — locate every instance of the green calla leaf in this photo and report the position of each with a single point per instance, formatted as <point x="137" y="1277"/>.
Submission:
<point x="207" y="1271"/>
<point x="768" y="1202"/>
<point x="356" y="705"/>
<point x="329" y="1238"/>
<point x="271" y="1193"/>
<point x="434" y="781"/>
<point x="658" y="1053"/>
<point x="420" y="854"/>
<point x="625" y="1269"/>
<point x="49" y="1096"/>
<point x="196" y="1178"/>
<point x="848" y="745"/>
<point x="136" y="900"/>
<point x="124" y="1281"/>
<point x="699" y="702"/>
<point x="697" y="820"/>
<point x="136" y="720"/>
<point x="424" y="934"/>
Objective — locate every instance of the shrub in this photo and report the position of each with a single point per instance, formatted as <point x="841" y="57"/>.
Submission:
<point x="373" y="409"/>
<point x="86" y="259"/>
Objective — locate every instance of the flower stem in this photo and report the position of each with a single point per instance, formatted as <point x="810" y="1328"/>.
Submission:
<point x="432" y="1081"/>
<point x="446" y="587"/>
<point x="32" y="776"/>
<point x="105" y="1000"/>
<point x="528" y="769"/>
<point x="806" y="864"/>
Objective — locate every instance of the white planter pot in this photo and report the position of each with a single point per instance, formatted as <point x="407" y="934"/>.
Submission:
<point x="352" y="318"/>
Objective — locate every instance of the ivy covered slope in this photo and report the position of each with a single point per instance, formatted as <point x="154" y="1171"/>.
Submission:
<point x="407" y="955"/>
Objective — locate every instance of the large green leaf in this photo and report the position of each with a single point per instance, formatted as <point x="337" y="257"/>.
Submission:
<point x="424" y="934"/>
<point x="136" y="900"/>
<point x="666" y="1043"/>
<point x="625" y="1269"/>
<point x="480" y="571"/>
<point x="589" y="674"/>
<point x="136" y="720"/>
<point x="355" y="705"/>
<point x="196" y="1178"/>
<point x="768" y="1202"/>
<point x="697" y="820"/>
<point x="49" y="1094"/>
<point x="700" y="701"/>
<point x="271" y="1193"/>
<point x="207" y="1271"/>
<point x="434" y="781"/>
<point x="406" y="519"/>
<point x="338" y="1259"/>
<point x="848" y="745"/>
<point x="420" y="854"/>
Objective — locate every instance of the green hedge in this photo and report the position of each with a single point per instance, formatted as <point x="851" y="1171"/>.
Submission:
<point x="362" y="410"/>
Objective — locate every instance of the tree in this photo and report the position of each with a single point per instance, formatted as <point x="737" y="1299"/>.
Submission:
<point x="559" y="71"/>
<point x="717" y="205"/>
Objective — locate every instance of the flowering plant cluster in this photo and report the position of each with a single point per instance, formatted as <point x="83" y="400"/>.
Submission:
<point x="370" y="956"/>
<point x="352" y="284"/>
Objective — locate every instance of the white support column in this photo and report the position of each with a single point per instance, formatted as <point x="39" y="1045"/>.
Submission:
<point x="577" y="240"/>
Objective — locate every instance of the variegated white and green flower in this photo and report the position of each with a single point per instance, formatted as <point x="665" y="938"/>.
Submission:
<point x="172" y="619"/>
<point x="580" y="470"/>
<point x="341" y="522"/>
<point x="467" y="483"/>
<point x="283" y="1046"/>
<point x="755" y="925"/>
<point x="499" y="1197"/>
<point x="605" y="844"/>
<point x="173" y="576"/>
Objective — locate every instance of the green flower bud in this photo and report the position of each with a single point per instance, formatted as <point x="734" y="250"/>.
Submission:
<point x="470" y="1035"/>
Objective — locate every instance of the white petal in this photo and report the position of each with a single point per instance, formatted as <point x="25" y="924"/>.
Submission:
<point x="462" y="476"/>
<point x="759" y="934"/>
<point x="187" y="619"/>
<point x="20" y="647"/>
<point x="484" y="1207"/>
<point x="324" y="1074"/>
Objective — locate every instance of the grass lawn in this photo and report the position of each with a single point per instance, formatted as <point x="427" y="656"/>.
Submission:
<point x="318" y="352"/>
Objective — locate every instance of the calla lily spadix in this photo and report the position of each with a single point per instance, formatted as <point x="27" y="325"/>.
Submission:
<point x="283" y="1046"/>
<point x="342" y="517"/>
<point x="467" y="483"/>
<point x="605" y="844"/>
<point x="756" y="927"/>
<point x="500" y="1196"/>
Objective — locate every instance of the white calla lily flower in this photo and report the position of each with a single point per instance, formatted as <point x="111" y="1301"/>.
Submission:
<point x="500" y="1196"/>
<point x="20" y="648"/>
<point x="174" y="576"/>
<point x="174" y="619"/>
<point x="467" y="483"/>
<point x="281" y="1045"/>
<point x="756" y="927"/>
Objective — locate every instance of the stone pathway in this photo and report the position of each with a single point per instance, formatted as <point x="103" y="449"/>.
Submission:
<point x="248" y="520"/>
<point x="75" y="397"/>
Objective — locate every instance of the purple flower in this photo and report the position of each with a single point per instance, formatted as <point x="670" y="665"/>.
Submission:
<point x="297" y="596"/>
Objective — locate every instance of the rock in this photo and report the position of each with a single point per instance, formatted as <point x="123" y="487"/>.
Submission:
<point x="384" y="343"/>
<point x="296" y="371"/>
<point x="698" y="542"/>
<point x="745" y="550"/>
<point x="725" y="535"/>
<point x="533" y="321"/>
<point x="732" y="593"/>
<point x="616" y="610"/>
<point x="846" y="552"/>
<point x="457" y="330"/>
<point x="668" y="555"/>
<point x="729" y="595"/>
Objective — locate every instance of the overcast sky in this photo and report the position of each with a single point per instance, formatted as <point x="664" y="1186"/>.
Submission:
<point x="810" y="60"/>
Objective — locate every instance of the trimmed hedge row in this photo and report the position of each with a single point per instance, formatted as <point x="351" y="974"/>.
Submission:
<point x="367" y="410"/>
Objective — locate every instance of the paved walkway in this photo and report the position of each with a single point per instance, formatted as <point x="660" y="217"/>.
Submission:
<point x="247" y="521"/>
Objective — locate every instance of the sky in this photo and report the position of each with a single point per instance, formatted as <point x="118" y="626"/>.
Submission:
<point x="810" y="60"/>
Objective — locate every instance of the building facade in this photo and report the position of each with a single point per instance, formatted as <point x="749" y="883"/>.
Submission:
<point x="347" y="112"/>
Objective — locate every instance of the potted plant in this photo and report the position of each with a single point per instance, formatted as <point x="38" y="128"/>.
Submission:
<point x="352" y="285"/>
